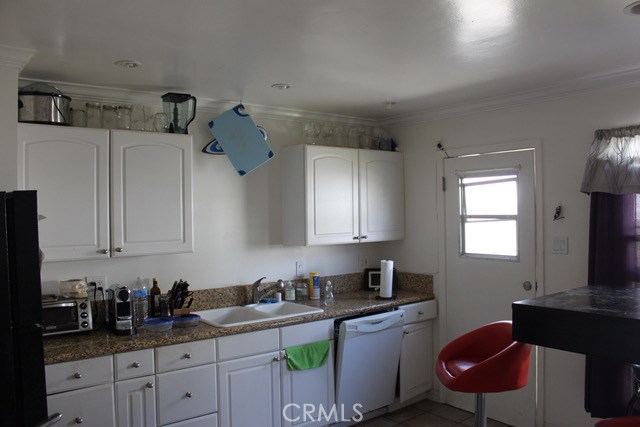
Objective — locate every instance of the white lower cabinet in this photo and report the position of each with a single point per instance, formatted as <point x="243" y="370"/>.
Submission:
<point x="136" y="402"/>
<point x="91" y="406"/>
<point x="416" y="354"/>
<point x="308" y="395"/>
<point x="250" y="391"/>
<point x="186" y="393"/>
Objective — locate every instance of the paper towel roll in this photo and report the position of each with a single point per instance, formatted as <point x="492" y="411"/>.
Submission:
<point x="386" y="278"/>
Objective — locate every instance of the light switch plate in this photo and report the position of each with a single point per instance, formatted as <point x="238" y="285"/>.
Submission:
<point x="561" y="245"/>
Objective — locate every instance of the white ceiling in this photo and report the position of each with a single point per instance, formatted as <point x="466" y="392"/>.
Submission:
<point x="343" y="57"/>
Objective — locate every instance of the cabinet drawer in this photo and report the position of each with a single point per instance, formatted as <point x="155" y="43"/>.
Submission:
<point x="210" y="420"/>
<point x="79" y="373"/>
<point x="186" y="393"/>
<point x="92" y="406"/>
<point x="185" y="355"/>
<point x="241" y="345"/>
<point x="306" y="333"/>
<point x="420" y="311"/>
<point x="133" y="364"/>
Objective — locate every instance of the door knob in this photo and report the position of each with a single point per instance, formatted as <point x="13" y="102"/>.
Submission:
<point x="527" y="286"/>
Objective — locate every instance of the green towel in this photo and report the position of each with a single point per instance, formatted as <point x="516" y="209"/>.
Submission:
<point x="307" y="356"/>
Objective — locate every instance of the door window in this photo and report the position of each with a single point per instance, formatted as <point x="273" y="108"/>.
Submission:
<point x="489" y="214"/>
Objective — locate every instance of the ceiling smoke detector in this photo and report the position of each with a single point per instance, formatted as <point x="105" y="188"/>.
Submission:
<point x="127" y="63"/>
<point x="281" y="86"/>
<point x="633" y="8"/>
<point x="389" y="104"/>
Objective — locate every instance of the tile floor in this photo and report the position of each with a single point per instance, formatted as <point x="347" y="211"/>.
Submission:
<point x="426" y="413"/>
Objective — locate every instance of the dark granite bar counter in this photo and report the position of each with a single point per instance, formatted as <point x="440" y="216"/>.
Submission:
<point x="594" y="320"/>
<point x="102" y="342"/>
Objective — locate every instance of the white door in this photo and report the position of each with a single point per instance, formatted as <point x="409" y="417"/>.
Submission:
<point x="136" y="402"/>
<point x="151" y="193"/>
<point x="69" y="167"/>
<point x="250" y="391"/>
<point x="490" y="220"/>
<point x="381" y="195"/>
<point x="332" y="195"/>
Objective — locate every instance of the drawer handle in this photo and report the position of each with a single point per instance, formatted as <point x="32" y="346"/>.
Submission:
<point x="79" y="420"/>
<point x="187" y="355"/>
<point x="150" y="384"/>
<point x="135" y="364"/>
<point x="103" y="251"/>
<point x="364" y="237"/>
<point x="189" y="394"/>
<point x="406" y="333"/>
<point x="356" y="237"/>
<point x="276" y="358"/>
<point x="420" y="313"/>
<point x="77" y="375"/>
<point x="119" y="250"/>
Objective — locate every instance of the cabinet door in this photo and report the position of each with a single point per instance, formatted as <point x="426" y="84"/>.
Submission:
<point x="381" y="196"/>
<point x="92" y="406"/>
<point x="250" y="391"/>
<point x="331" y="176"/>
<point x="151" y="193"/>
<point x="416" y="360"/>
<point x="311" y="386"/>
<point x="136" y="402"/>
<point x="69" y="167"/>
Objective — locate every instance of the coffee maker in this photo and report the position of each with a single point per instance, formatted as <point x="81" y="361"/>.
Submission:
<point x="119" y="315"/>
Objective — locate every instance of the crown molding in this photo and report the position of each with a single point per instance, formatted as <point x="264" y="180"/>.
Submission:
<point x="616" y="79"/>
<point x="110" y="95"/>
<point x="15" y="57"/>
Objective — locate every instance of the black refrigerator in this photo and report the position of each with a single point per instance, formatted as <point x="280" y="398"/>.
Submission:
<point x="23" y="394"/>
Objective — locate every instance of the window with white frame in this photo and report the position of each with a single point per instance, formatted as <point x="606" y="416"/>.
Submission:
<point x="489" y="214"/>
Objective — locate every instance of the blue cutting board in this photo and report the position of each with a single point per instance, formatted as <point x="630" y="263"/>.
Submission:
<point x="241" y="140"/>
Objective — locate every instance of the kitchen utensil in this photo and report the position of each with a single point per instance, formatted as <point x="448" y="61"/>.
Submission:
<point x="180" y="108"/>
<point x="158" y="324"/>
<point x="43" y="103"/>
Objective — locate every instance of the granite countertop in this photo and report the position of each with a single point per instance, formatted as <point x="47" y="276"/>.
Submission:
<point x="102" y="342"/>
<point x="593" y="320"/>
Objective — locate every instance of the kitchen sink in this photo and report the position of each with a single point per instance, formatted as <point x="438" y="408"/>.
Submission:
<point x="254" y="313"/>
<point x="286" y="309"/>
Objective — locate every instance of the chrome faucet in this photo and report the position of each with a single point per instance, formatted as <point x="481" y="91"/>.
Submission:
<point x="259" y="293"/>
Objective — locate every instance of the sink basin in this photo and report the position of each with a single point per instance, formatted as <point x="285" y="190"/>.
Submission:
<point x="286" y="309"/>
<point x="254" y="313"/>
<point x="232" y="316"/>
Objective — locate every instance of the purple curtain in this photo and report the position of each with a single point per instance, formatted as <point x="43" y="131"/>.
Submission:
<point x="614" y="260"/>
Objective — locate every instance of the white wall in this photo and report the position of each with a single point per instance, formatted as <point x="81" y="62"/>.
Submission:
<point x="9" y="133"/>
<point x="565" y="127"/>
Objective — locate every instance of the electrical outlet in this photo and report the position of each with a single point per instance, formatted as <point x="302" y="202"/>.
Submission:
<point x="100" y="281"/>
<point x="299" y="268"/>
<point x="363" y="261"/>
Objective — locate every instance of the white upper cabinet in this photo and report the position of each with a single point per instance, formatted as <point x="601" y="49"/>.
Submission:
<point x="151" y="193"/>
<point x="146" y="178"/>
<point x="334" y="195"/>
<point x="70" y="170"/>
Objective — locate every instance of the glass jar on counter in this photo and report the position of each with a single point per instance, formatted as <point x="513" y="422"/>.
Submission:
<point x="302" y="292"/>
<point x="110" y="117"/>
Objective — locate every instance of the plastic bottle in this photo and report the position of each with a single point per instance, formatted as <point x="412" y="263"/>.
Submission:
<point x="314" y="285"/>
<point x="154" y="299"/>
<point x="289" y="292"/>
<point x="140" y="303"/>
<point x="328" y="291"/>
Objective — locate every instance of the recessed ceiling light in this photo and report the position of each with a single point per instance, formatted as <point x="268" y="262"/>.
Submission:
<point x="127" y="63"/>
<point x="281" y="86"/>
<point x="633" y="8"/>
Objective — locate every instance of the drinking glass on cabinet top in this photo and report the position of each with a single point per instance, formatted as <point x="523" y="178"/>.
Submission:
<point x="160" y="122"/>
<point x="327" y="131"/>
<point x="94" y="114"/>
<point x="311" y="132"/>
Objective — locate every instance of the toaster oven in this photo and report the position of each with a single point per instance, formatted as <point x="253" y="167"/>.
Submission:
<point x="61" y="315"/>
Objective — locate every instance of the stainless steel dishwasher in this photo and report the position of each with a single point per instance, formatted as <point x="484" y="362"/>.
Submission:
<point x="367" y="362"/>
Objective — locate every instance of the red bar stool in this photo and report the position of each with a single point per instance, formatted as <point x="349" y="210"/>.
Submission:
<point x="485" y="360"/>
<point x="619" y="422"/>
